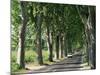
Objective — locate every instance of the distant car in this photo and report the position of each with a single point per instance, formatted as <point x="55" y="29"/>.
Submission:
<point x="70" y="55"/>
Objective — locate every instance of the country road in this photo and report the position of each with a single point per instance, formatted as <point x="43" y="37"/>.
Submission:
<point x="73" y="63"/>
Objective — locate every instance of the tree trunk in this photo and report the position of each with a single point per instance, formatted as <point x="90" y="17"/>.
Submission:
<point x="38" y="37"/>
<point x="90" y="38"/>
<point x="49" y="42"/>
<point x="90" y="35"/>
<point x="86" y="34"/>
<point x="69" y="43"/>
<point x="61" y="45"/>
<point x="65" y="45"/>
<point x="91" y="27"/>
<point x="21" y="51"/>
<point x="57" y="47"/>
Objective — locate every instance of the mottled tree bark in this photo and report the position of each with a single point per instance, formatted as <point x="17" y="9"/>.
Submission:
<point x="21" y="51"/>
<point x="38" y="38"/>
<point x="57" y="47"/>
<point x="49" y="41"/>
<point x="89" y="24"/>
<point x="91" y="27"/>
<point x="61" y="46"/>
<point x="65" y="45"/>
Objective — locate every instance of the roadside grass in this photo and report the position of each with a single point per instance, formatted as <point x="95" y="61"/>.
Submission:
<point x="30" y="58"/>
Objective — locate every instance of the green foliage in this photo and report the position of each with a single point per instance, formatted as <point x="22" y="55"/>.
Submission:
<point x="15" y="23"/>
<point x="14" y="67"/>
<point x="13" y="56"/>
<point x="30" y="56"/>
<point x="59" y="19"/>
<point x="45" y="55"/>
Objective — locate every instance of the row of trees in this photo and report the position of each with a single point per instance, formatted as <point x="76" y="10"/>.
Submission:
<point x="63" y="28"/>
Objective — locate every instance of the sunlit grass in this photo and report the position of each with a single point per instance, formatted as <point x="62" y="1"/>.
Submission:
<point x="30" y="57"/>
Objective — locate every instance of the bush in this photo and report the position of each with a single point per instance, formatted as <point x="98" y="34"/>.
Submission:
<point x="85" y="58"/>
<point x="30" y="56"/>
<point x="45" y="55"/>
<point x="13" y="56"/>
<point x="14" y="67"/>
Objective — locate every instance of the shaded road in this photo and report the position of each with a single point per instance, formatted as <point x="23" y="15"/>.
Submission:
<point x="73" y="63"/>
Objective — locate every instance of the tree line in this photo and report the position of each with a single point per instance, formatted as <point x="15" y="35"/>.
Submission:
<point x="61" y="28"/>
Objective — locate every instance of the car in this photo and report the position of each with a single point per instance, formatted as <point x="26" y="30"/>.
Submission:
<point x="70" y="55"/>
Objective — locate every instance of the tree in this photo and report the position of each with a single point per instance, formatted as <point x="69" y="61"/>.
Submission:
<point x="37" y="19"/>
<point x="62" y="28"/>
<point x="87" y="15"/>
<point x="49" y="31"/>
<point x="38" y="36"/>
<point x="38" y="23"/>
<point x="21" y="51"/>
<point x="15" y="20"/>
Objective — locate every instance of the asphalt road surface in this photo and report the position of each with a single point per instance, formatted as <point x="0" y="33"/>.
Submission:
<point x="72" y="63"/>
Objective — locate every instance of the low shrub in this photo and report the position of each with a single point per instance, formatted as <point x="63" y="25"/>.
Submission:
<point x="14" y="67"/>
<point x="30" y="57"/>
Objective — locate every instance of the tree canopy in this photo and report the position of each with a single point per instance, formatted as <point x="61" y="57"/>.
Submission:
<point x="60" y="29"/>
